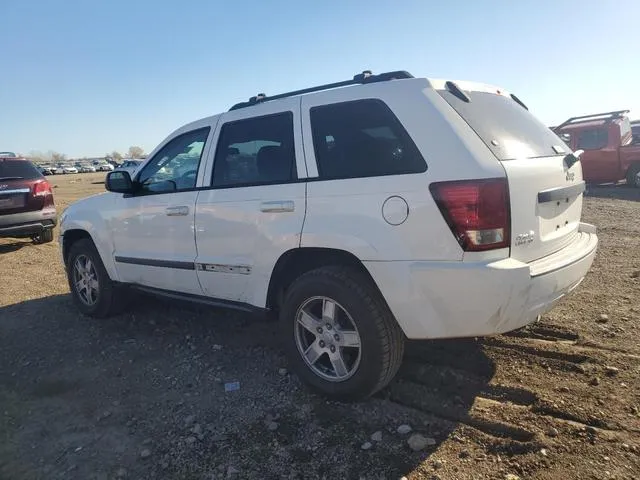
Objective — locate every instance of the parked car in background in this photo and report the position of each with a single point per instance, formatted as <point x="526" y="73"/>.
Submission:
<point x="26" y="201"/>
<point x="610" y="154"/>
<point x="396" y="208"/>
<point x="69" y="169"/>
<point x="130" y="165"/>
<point x="87" y="169"/>
<point x="104" y="167"/>
<point x="44" y="169"/>
<point x="635" y="130"/>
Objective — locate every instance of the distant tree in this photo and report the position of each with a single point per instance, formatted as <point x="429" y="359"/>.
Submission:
<point x="135" y="152"/>
<point x="56" y="156"/>
<point x="117" y="156"/>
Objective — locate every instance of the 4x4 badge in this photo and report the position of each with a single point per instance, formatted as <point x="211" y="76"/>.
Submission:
<point x="570" y="176"/>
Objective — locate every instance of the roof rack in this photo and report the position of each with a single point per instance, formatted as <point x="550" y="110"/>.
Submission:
<point x="607" y="116"/>
<point x="365" y="77"/>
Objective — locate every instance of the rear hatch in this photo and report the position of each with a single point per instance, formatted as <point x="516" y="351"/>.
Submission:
<point x="545" y="182"/>
<point x="22" y="187"/>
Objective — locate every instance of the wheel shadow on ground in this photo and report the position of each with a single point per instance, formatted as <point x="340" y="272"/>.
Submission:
<point x="619" y="192"/>
<point x="158" y="364"/>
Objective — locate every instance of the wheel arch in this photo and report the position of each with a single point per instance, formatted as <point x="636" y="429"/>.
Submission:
<point x="298" y="261"/>
<point x="73" y="235"/>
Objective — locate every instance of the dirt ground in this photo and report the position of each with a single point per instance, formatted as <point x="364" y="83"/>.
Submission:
<point x="142" y="395"/>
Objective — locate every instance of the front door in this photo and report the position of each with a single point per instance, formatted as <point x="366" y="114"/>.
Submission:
<point x="255" y="206"/>
<point x="154" y="231"/>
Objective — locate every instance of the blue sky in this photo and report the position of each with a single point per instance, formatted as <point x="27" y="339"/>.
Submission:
<point x="87" y="77"/>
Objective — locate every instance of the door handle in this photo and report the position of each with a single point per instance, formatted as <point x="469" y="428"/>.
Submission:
<point x="278" y="206"/>
<point x="177" y="211"/>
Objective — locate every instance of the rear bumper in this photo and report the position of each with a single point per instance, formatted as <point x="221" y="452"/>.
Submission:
<point x="27" y="223"/>
<point x="462" y="299"/>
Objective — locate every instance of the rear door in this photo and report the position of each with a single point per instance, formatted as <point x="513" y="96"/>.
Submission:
<point x="17" y="177"/>
<point x="546" y="186"/>
<point x="253" y="209"/>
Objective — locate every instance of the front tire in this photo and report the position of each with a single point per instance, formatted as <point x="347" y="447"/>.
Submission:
<point x="93" y="292"/>
<point x="339" y="335"/>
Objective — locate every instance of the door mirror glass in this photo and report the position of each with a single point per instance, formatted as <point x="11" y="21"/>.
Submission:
<point x="119" y="182"/>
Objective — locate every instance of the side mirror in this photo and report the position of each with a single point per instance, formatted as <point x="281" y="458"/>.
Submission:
<point x="119" y="182"/>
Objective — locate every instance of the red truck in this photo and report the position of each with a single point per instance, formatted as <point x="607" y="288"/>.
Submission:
<point x="611" y="150"/>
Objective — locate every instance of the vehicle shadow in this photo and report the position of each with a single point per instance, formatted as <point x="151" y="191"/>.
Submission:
<point x="13" y="246"/>
<point x="137" y="377"/>
<point x="620" y="192"/>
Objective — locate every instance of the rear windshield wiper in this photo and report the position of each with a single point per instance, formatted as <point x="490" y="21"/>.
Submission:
<point x="11" y="178"/>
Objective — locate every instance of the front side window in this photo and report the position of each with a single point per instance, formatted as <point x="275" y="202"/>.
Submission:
<point x="175" y="166"/>
<point x="592" y="139"/>
<point x="362" y="138"/>
<point x="255" y="151"/>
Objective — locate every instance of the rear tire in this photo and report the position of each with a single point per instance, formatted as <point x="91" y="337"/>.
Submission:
<point x="93" y="292"/>
<point x="632" y="175"/>
<point x="45" y="236"/>
<point x="359" y="315"/>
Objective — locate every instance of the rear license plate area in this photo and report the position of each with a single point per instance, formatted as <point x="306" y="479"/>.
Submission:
<point x="12" y="201"/>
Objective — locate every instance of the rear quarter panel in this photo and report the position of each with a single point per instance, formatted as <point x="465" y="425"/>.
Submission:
<point x="347" y="213"/>
<point x="629" y="155"/>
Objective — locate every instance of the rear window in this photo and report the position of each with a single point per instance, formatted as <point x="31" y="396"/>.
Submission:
<point x="362" y="138"/>
<point x="592" y="139"/>
<point x="625" y="130"/>
<point x="18" y="170"/>
<point x="508" y="129"/>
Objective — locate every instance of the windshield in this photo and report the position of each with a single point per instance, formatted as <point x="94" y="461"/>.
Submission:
<point x="508" y="129"/>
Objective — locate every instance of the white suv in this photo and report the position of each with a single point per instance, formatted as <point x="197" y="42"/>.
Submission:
<point x="362" y="213"/>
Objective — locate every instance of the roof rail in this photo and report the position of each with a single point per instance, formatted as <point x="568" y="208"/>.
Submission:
<point x="361" y="78"/>
<point x="608" y="116"/>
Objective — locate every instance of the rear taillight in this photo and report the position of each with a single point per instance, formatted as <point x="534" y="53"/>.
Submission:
<point x="477" y="211"/>
<point x="42" y="188"/>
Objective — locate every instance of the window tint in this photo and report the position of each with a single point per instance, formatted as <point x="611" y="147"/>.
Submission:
<point x="255" y="151"/>
<point x="18" y="170"/>
<point x="362" y="139"/>
<point x="175" y="166"/>
<point x="507" y="129"/>
<point x="593" y="139"/>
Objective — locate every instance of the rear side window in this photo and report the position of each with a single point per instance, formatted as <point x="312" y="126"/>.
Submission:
<point x="362" y="138"/>
<point x="593" y="139"/>
<point x="508" y="129"/>
<point x="255" y="151"/>
<point x="18" y="170"/>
